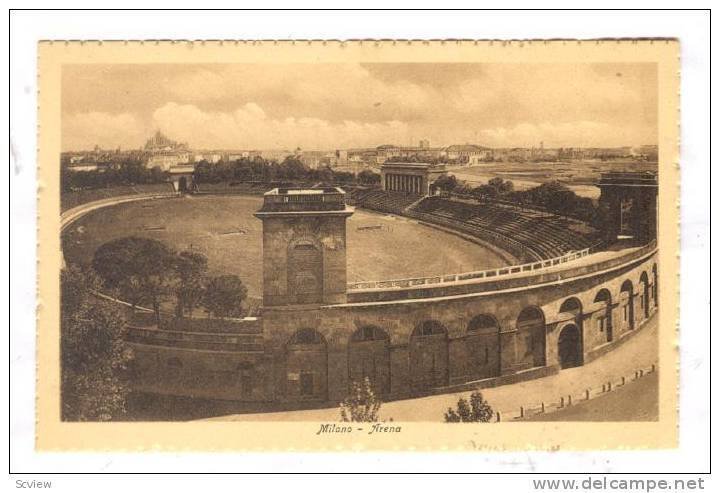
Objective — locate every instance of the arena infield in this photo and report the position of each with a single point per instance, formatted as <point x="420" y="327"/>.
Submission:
<point x="380" y="246"/>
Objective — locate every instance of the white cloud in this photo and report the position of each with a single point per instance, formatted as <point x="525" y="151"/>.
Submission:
<point x="248" y="127"/>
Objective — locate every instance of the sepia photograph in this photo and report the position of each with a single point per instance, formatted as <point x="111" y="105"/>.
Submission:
<point x="357" y="246"/>
<point x="349" y="243"/>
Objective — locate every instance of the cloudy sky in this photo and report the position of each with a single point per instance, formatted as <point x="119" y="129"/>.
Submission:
<point x="330" y="106"/>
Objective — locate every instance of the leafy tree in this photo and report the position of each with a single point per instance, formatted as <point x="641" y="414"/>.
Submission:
<point x="478" y="410"/>
<point x="447" y="183"/>
<point x="139" y="269"/>
<point x="368" y="177"/>
<point x="94" y="356"/>
<point x="191" y="268"/>
<point x="362" y="404"/>
<point x="223" y="296"/>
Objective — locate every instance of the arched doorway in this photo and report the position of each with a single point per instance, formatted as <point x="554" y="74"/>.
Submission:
<point x="628" y="304"/>
<point x="369" y="357"/>
<point x="306" y="365"/>
<point x="645" y="295"/>
<point x="570" y="352"/>
<point x="305" y="272"/>
<point x="604" y="319"/>
<point x="483" y="346"/>
<point x="428" y="356"/>
<point x="531" y="337"/>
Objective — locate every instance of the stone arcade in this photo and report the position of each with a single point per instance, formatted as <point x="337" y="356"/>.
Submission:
<point x="315" y="336"/>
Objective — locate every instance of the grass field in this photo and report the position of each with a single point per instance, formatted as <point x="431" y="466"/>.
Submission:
<point x="224" y="229"/>
<point x="580" y="176"/>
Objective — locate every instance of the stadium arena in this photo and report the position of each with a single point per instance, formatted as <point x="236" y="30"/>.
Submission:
<point x="420" y="292"/>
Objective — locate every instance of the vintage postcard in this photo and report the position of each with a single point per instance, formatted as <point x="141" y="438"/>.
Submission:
<point x="363" y="245"/>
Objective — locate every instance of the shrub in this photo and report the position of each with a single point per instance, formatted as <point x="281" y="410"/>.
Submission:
<point x="362" y="404"/>
<point x="477" y="411"/>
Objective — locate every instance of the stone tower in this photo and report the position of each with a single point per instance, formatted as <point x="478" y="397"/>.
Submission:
<point x="304" y="255"/>
<point x="631" y="200"/>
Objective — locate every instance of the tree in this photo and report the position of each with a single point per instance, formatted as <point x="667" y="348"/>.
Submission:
<point x="223" y="296"/>
<point x="93" y="353"/>
<point x="191" y="268"/>
<point x="139" y="269"/>
<point x="368" y="177"/>
<point x="446" y="183"/>
<point x="477" y="411"/>
<point x="362" y="404"/>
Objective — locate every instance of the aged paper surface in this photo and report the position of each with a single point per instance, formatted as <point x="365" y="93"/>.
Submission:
<point x="252" y="233"/>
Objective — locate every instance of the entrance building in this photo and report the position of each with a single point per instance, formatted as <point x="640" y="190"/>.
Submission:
<point x="411" y="178"/>
<point x="182" y="178"/>
<point x="631" y="200"/>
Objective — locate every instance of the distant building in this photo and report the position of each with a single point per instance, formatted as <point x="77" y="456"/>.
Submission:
<point x="160" y="143"/>
<point x="210" y="157"/>
<point x="164" y="153"/>
<point x="166" y="160"/>
<point x="469" y="154"/>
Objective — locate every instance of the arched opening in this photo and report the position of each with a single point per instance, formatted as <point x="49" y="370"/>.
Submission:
<point x="306" y="365"/>
<point x="655" y="284"/>
<point x="182" y="186"/>
<point x="369" y="357"/>
<point x="483" y="346"/>
<point x="604" y="319"/>
<point x="570" y="348"/>
<point x="305" y="273"/>
<point x="628" y="304"/>
<point x="429" y="356"/>
<point x="531" y="337"/>
<point x="645" y="295"/>
<point x="571" y="305"/>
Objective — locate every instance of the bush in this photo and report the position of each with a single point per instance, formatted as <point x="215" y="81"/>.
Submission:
<point x="477" y="411"/>
<point x="362" y="404"/>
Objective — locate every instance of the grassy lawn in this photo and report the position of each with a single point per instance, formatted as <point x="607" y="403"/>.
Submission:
<point x="224" y="229"/>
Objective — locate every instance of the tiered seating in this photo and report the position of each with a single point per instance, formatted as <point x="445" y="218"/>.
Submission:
<point x="68" y="200"/>
<point x="154" y="188"/>
<point x="382" y="201"/>
<point x="532" y="234"/>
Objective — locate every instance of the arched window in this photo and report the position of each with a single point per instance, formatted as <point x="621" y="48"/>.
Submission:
<point x="604" y="319"/>
<point x="482" y="346"/>
<point x="531" y="336"/>
<point x="626" y="290"/>
<point x="306" y="365"/>
<point x="369" y="333"/>
<point x="571" y="305"/>
<point x="645" y="294"/>
<point x="369" y="357"/>
<point x="483" y="324"/>
<point x="307" y="336"/>
<point x="429" y="356"/>
<point x="429" y="328"/>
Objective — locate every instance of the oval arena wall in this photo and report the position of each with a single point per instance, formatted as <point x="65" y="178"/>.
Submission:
<point x="441" y="336"/>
